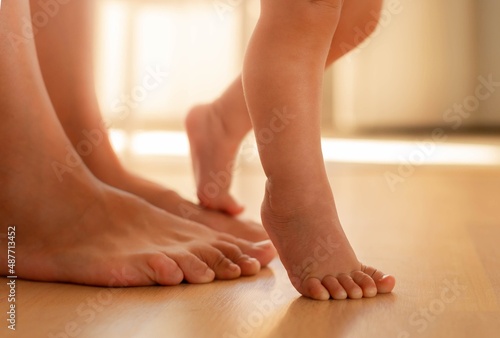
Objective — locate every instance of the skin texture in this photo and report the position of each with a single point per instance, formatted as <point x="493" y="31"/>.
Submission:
<point x="78" y="229"/>
<point x="65" y="54"/>
<point x="291" y="45"/>
<point x="226" y="121"/>
<point x="126" y="219"/>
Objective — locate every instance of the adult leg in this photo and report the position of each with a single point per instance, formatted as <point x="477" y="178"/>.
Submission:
<point x="74" y="228"/>
<point x="225" y="122"/>
<point x="65" y="52"/>
<point x="287" y="56"/>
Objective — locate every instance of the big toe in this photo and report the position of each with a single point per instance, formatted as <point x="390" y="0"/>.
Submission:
<point x="263" y="251"/>
<point x="385" y="283"/>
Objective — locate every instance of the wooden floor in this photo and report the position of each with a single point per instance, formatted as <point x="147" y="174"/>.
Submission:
<point x="438" y="232"/>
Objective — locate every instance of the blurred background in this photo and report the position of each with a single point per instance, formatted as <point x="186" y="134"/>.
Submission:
<point x="429" y="69"/>
<point x="425" y="57"/>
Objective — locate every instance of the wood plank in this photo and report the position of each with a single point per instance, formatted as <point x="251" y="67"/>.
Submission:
<point x="438" y="233"/>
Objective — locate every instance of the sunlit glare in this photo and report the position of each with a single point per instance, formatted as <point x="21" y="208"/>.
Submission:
<point x="111" y="46"/>
<point x="119" y="140"/>
<point x="197" y="53"/>
<point x="162" y="143"/>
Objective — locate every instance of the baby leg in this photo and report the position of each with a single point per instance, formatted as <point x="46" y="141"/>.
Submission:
<point x="225" y="121"/>
<point x="282" y="79"/>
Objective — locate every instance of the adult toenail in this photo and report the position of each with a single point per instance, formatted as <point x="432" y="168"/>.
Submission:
<point x="265" y="243"/>
<point x="209" y="273"/>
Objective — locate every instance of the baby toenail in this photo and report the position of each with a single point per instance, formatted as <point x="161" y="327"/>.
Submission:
<point x="249" y="260"/>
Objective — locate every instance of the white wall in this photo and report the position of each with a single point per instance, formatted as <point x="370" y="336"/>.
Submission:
<point x="489" y="56"/>
<point x="423" y="60"/>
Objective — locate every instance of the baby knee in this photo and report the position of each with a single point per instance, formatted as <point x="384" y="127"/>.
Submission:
<point x="328" y="10"/>
<point x="366" y="16"/>
<point x="331" y="4"/>
<point x="306" y="13"/>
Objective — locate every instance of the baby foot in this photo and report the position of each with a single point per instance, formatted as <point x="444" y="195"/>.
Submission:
<point x="93" y="234"/>
<point x="314" y="249"/>
<point x="213" y="154"/>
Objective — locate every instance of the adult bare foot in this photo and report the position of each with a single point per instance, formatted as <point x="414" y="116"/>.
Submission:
<point x="74" y="228"/>
<point x="106" y="166"/>
<point x="82" y="231"/>
<point x="313" y="247"/>
<point x="65" y="54"/>
<point x="213" y="152"/>
<point x="172" y="202"/>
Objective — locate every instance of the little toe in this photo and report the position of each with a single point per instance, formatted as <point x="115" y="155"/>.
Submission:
<point x="384" y="283"/>
<point x="333" y="286"/>
<point x="353" y="290"/>
<point x="195" y="270"/>
<point x="165" y="270"/>
<point x="313" y="288"/>
<point x="366" y="283"/>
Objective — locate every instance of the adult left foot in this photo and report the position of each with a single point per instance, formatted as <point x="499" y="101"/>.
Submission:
<point x="172" y="202"/>
<point x="106" y="166"/>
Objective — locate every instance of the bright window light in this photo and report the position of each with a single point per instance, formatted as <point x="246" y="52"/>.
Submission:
<point x="162" y="143"/>
<point x="397" y="152"/>
<point x="119" y="140"/>
<point x="110" y="64"/>
<point x="192" y="52"/>
<point x="197" y="50"/>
